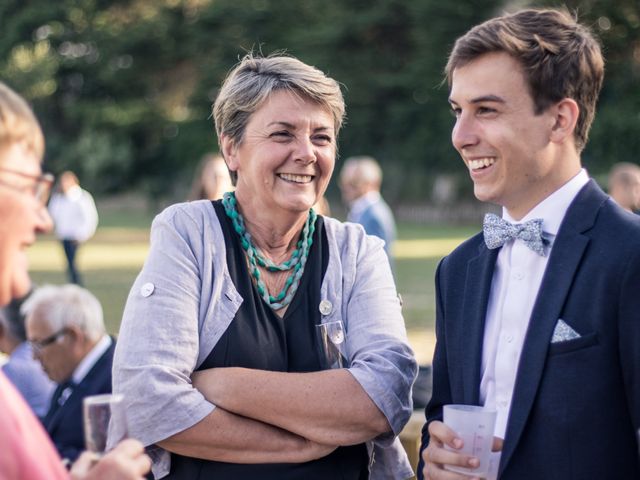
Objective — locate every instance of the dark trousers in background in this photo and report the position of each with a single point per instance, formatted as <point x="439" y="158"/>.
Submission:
<point x="70" y="249"/>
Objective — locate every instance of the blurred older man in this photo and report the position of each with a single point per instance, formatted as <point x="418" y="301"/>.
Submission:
<point x="25" y="450"/>
<point x="360" y="182"/>
<point x="624" y="185"/>
<point x="66" y="330"/>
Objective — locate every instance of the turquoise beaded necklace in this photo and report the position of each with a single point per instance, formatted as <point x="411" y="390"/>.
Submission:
<point x="296" y="263"/>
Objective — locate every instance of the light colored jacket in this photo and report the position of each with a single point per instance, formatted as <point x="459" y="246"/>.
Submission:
<point x="74" y="214"/>
<point x="184" y="299"/>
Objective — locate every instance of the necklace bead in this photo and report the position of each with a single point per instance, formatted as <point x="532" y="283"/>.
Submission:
<point x="295" y="263"/>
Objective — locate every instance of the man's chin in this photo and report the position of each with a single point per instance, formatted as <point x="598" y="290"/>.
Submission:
<point x="20" y="288"/>
<point x="5" y="297"/>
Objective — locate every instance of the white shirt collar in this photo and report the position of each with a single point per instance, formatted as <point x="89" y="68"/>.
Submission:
<point x="553" y="208"/>
<point x="90" y="359"/>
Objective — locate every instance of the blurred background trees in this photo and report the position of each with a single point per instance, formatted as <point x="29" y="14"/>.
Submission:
<point x="124" y="88"/>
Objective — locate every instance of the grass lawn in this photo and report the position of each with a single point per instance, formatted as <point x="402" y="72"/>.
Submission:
<point x="111" y="260"/>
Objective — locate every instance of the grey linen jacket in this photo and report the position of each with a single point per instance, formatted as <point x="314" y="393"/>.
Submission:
<point x="184" y="299"/>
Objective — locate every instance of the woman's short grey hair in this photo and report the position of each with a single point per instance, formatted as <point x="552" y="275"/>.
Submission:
<point x="64" y="306"/>
<point x="255" y="78"/>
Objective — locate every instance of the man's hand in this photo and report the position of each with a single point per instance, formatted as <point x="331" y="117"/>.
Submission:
<point x="436" y="457"/>
<point x="127" y="461"/>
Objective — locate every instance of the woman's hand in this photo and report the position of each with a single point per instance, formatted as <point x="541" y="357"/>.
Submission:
<point x="127" y="461"/>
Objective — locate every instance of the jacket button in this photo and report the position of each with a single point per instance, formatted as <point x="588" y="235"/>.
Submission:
<point x="147" y="289"/>
<point x="325" y="307"/>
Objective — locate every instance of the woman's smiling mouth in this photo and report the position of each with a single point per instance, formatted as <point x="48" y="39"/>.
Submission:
<point x="290" y="177"/>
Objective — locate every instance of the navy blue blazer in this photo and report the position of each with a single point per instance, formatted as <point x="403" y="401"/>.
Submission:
<point x="576" y="404"/>
<point x="64" y="423"/>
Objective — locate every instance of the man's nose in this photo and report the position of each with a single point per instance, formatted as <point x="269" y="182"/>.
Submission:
<point x="464" y="132"/>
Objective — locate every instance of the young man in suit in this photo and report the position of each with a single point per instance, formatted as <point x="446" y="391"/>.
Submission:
<point x="25" y="450"/>
<point x="66" y="330"/>
<point x="538" y="319"/>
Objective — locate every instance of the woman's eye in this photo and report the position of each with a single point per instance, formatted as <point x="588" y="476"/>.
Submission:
<point x="322" y="139"/>
<point x="281" y="135"/>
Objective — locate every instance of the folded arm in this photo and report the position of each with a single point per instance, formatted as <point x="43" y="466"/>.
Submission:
<point x="226" y="437"/>
<point x="328" y="407"/>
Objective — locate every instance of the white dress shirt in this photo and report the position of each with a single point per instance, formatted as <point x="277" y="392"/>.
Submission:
<point x="514" y="288"/>
<point x="85" y="365"/>
<point x="90" y="359"/>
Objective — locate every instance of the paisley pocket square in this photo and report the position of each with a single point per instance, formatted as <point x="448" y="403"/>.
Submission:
<point x="563" y="332"/>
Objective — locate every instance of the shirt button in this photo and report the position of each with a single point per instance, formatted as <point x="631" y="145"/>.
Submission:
<point x="147" y="289"/>
<point x="325" y="307"/>
<point x="509" y="338"/>
<point x="518" y="275"/>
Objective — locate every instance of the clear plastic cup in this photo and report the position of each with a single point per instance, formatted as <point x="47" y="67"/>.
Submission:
<point x="474" y="425"/>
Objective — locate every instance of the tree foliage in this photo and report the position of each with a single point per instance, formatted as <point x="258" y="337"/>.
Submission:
<point x="124" y="87"/>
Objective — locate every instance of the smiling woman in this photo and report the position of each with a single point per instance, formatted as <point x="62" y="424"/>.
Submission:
<point x="27" y="450"/>
<point x="23" y="192"/>
<point x="219" y="335"/>
<point x="284" y="162"/>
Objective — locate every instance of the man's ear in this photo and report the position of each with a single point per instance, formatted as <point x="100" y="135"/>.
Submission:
<point x="74" y="333"/>
<point x="229" y="152"/>
<point x="566" y="117"/>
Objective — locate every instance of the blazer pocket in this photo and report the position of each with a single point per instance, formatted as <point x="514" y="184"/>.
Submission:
<point x="585" y="341"/>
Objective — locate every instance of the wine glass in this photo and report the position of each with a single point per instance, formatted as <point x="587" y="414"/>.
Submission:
<point x="329" y="337"/>
<point x="105" y="422"/>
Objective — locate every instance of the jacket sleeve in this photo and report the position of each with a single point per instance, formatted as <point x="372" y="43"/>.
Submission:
<point x="158" y="346"/>
<point x="441" y="390"/>
<point x="381" y="359"/>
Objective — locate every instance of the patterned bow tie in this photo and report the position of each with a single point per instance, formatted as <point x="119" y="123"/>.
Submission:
<point x="498" y="231"/>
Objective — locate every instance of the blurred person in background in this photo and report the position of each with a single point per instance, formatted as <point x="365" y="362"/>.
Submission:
<point x="624" y="185"/>
<point x="66" y="331"/>
<point x="21" y="368"/>
<point x="75" y="218"/>
<point x="360" y="182"/>
<point x="26" y="452"/>
<point x="212" y="179"/>
<point x="217" y="351"/>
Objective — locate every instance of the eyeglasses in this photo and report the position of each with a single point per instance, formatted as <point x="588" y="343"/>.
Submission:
<point x="38" y="345"/>
<point x="40" y="188"/>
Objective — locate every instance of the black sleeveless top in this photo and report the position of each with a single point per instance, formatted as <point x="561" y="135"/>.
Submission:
<point x="258" y="338"/>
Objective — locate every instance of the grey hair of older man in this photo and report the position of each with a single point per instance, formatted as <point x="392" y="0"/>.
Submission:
<point x="67" y="305"/>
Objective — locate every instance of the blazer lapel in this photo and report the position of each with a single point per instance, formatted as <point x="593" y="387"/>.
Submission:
<point x="566" y="255"/>
<point x="476" y="298"/>
<point x="73" y="402"/>
<point x="58" y="404"/>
